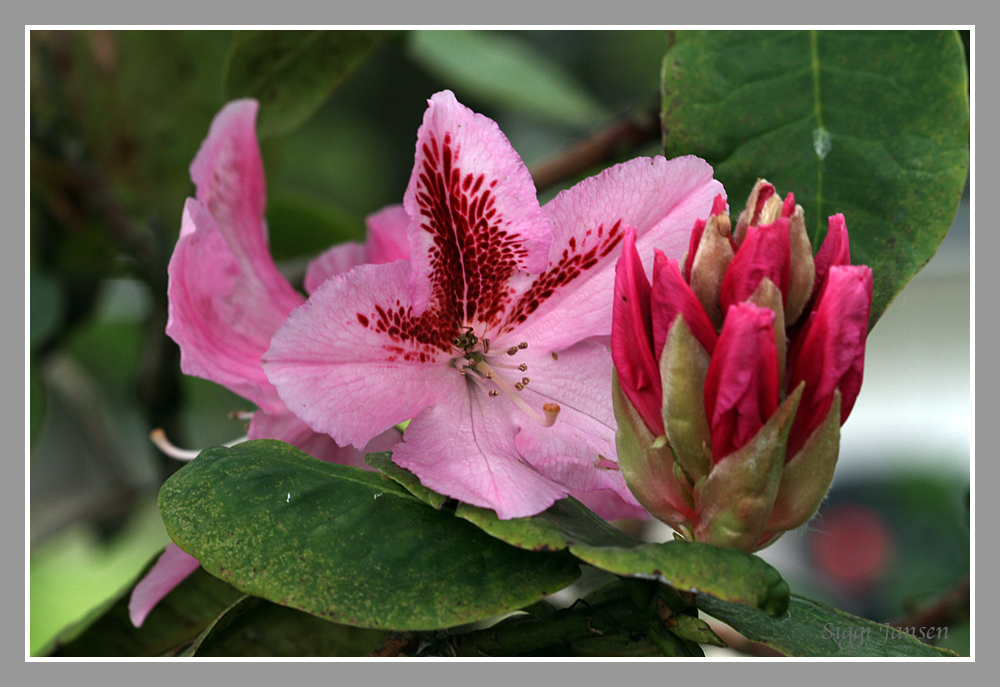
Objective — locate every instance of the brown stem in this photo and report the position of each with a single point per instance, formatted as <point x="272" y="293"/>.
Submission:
<point x="947" y="609"/>
<point x="603" y="146"/>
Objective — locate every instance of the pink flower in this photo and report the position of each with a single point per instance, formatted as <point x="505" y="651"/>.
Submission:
<point x="718" y="435"/>
<point x="227" y="299"/>
<point x="491" y="337"/>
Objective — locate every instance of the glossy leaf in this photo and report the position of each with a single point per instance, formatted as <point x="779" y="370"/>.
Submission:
<point x="502" y="68"/>
<point x="406" y="479"/>
<point x="292" y="73"/>
<point x="345" y="544"/>
<point x="254" y="627"/>
<point x="873" y="124"/>
<point x="565" y="523"/>
<point x="177" y="619"/>
<point x="701" y="569"/>
<point x="810" y="628"/>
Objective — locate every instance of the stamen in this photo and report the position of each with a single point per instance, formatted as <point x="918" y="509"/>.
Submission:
<point x="550" y="410"/>
<point x="523" y="367"/>
<point x="159" y="437"/>
<point x="512" y="350"/>
<point x="523" y="345"/>
<point x="494" y="392"/>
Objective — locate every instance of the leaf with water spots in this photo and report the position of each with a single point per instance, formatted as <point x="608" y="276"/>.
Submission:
<point x="345" y="544"/>
<point x="872" y="124"/>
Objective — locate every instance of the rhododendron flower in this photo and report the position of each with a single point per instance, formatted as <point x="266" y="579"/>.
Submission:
<point x="492" y="337"/>
<point x="749" y="361"/>
<point x="227" y="298"/>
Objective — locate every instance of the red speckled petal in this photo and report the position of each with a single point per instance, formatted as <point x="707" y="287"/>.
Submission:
<point x="170" y="569"/>
<point x="573" y="298"/>
<point x="387" y="242"/>
<point x="353" y="361"/>
<point x="476" y="225"/>
<point x="220" y="313"/>
<point x="463" y="447"/>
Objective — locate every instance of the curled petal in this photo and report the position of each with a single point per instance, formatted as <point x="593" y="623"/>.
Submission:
<point x="741" y="386"/>
<point x="220" y="313"/>
<point x="632" y="337"/>
<point x="672" y="297"/>
<point x="288" y="428"/>
<point x="764" y="253"/>
<point x="836" y="250"/>
<point x="170" y="569"/>
<point x="829" y="352"/>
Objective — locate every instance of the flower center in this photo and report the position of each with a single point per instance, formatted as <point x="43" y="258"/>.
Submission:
<point x="485" y="371"/>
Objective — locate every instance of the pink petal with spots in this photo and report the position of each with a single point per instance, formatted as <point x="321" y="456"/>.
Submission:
<point x="463" y="447"/>
<point x="220" y="314"/>
<point x="387" y="242"/>
<point x="476" y="225"/>
<point x="353" y="360"/>
<point x="660" y="198"/>
<point x="170" y="569"/>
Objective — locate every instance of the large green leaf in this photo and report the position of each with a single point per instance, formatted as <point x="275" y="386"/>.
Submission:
<point x="177" y="619"/>
<point x="254" y="627"/>
<point x="292" y="73"/>
<point x="871" y="124"/>
<point x="810" y="628"/>
<point x="347" y="545"/>
<point x="506" y="70"/>
<point x="700" y="569"/>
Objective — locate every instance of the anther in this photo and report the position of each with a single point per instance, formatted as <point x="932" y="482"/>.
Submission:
<point x="519" y="386"/>
<point x="525" y="380"/>
<point x="494" y="392"/>
<point x="512" y="350"/>
<point x="523" y="367"/>
<point x="523" y="345"/>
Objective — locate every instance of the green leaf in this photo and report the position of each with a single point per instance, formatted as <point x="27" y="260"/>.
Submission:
<point x="871" y="124"/>
<point x="565" y="523"/>
<point x="292" y="73"/>
<point x="254" y="627"/>
<point x="505" y="70"/>
<point x="177" y="619"/>
<point x="345" y="544"/>
<point x="302" y="225"/>
<point x="810" y="628"/>
<point x="701" y="569"/>
<point x="383" y="463"/>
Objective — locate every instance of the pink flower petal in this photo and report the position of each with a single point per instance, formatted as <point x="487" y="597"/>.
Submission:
<point x="573" y="298"/>
<point x="476" y="225"/>
<point x="464" y="447"/>
<point x="288" y="428"/>
<point x="764" y="254"/>
<point x="741" y="386"/>
<point x="578" y="451"/>
<point x="229" y="177"/>
<point x="387" y="242"/>
<point x="829" y="353"/>
<point x="353" y="361"/>
<point x="172" y="567"/>
<point x="672" y="297"/>
<point x="632" y="338"/>
<point x="609" y="505"/>
<point x="220" y="314"/>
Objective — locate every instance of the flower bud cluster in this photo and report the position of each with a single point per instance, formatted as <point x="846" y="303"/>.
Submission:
<point x="736" y="369"/>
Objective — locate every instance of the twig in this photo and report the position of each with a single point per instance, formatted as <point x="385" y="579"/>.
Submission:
<point x="945" y="610"/>
<point x="603" y="146"/>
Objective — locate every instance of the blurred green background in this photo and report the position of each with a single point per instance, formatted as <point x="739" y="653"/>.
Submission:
<point x="117" y="116"/>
